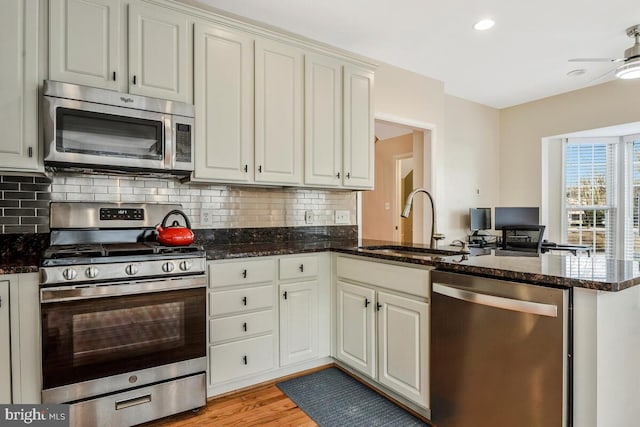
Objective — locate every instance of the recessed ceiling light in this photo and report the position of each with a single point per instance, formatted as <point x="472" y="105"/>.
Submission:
<point x="575" y="73"/>
<point x="484" y="24"/>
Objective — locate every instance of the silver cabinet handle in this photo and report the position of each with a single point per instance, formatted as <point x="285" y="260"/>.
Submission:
<point x="123" y="404"/>
<point x="498" y="302"/>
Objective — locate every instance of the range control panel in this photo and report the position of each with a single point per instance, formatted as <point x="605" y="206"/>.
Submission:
<point x="121" y="214"/>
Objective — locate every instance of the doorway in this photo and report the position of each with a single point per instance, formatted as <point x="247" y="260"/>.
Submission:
<point x="399" y="168"/>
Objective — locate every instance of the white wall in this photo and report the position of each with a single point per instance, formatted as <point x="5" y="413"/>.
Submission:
<point x="469" y="163"/>
<point x="463" y="146"/>
<point x="522" y="128"/>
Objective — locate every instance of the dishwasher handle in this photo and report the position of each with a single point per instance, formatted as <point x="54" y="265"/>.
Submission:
<point x="498" y="302"/>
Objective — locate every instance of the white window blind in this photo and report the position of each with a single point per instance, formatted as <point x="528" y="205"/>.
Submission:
<point x="591" y="200"/>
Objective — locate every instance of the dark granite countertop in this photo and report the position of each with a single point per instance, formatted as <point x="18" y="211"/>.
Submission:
<point x="562" y="271"/>
<point x="22" y="255"/>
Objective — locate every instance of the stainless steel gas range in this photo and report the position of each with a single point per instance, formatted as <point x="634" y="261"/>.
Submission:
<point x="123" y="317"/>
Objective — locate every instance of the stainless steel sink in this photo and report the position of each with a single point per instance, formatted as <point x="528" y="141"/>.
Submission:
<point x="410" y="250"/>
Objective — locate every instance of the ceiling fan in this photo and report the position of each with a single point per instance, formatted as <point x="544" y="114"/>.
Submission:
<point x="631" y="67"/>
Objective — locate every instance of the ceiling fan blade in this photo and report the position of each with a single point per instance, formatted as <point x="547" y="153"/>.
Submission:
<point x="596" y="60"/>
<point x="602" y="76"/>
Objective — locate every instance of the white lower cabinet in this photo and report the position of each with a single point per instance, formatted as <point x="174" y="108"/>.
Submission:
<point x="382" y="325"/>
<point x="298" y="322"/>
<point x="241" y="319"/>
<point x="403" y="336"/>
<point x="356" y="335"/>
<point x="241" y="358"/>
<point x="5" y="345"/>
<point x="267" y="317"/>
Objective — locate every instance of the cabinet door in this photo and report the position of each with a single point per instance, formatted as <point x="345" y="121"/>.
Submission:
<point x="403" y="336"/>
<point x="356" y="328"/>
<point x="323" y="121"/>
<point x="19" y="85"/>
<point x="5" y="345"/>
<point x="85" y="43"/>
<point x="160" y="59"/>
<point x="298" y="322"/>
<point x="224" y="104"/>
<point x="358" y="128"/>
<point x="278" y="109"/>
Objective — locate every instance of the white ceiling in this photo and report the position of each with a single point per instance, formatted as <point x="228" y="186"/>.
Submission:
<point x="524" y="57"/>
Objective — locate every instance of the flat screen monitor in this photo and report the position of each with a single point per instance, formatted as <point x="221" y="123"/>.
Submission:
<point x="517" y="216"/>
<point x="479" y="219"/>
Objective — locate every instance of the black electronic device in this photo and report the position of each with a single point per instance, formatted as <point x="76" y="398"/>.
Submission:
<point x="513" y="216"/>
<point x="479" y="219"/>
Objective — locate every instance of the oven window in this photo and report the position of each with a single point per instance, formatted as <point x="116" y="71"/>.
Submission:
<point x="88" y="132"/>
<point x="100" y="337"/>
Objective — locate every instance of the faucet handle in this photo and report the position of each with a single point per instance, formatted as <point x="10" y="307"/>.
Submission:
<point x="463" y="245"/>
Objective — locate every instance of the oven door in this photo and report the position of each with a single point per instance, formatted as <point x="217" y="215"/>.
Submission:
<point x="87" y="133"/>
<point x="98" y="337"/>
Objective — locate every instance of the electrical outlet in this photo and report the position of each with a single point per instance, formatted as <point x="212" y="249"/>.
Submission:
<point x="206" y="217"/>
<point x="308" y="217"/>
<point x="342" y="217"/>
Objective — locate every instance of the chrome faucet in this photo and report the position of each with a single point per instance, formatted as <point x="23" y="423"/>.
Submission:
<point x="407" y="209"/>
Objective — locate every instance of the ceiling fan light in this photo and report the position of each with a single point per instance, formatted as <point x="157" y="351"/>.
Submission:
<point x="630" y="70"/>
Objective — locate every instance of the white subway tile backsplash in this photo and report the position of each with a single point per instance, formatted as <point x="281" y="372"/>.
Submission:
<point x="233" y="207"/>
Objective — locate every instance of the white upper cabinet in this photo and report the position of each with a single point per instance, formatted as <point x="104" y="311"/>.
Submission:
<point x="86" y="47"/>
<point x="85" y="40"/>
<point x="358" y="128"/>
<point x="19" y="147"/>
<point x="160" y="60"/>
<point x="323" y="121"/>
<point x="223" y="74"/>
<point x="278" y="113"/>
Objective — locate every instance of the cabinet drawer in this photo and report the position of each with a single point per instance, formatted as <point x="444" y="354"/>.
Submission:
<point x="240" y="358"/>
<point x="240" y="300"/>
<point x="403" y="279"/>
<point x="243" y="325"/>
<point x="298" y="267"/>
<point x="236" y="273"/>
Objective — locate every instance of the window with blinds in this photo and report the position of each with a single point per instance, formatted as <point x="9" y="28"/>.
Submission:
<point x="591" y="194"/>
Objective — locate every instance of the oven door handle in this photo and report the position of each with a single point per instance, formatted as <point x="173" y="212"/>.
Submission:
<point x="80" y="292"/>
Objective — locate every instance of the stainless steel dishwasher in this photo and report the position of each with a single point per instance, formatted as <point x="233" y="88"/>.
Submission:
<point x="500" y="353"/>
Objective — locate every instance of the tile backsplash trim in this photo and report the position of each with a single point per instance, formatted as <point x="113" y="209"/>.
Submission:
<point x="24" y="201"/>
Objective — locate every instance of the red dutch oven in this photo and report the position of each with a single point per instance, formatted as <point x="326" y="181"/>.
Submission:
<point x="175" y="234"/>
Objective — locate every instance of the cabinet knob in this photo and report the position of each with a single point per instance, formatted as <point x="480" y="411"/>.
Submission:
<point x="338" y="175"/>
<point x="244" y="300"/>
<point x="260" y="169"/>
<point x="244" y="274"/>
<point x="284" y="295"/>
<point x="246" y="168"/>
<point x="245" y="360"/>
<point x="134" y="79"/>
<point x="30" y="151"/>
<point x="378" y="306"/>
<point x="348" y="175"/>
<point x="366" y="303"/>
<point x="114" y="76"/>
<point x="301" y="268"/>
<point x="244" y="326"/>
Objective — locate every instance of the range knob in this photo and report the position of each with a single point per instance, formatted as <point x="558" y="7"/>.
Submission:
<point x="131" y="269"/>
<point x="168" y="267"/>
<point x="91" y="272"/>
<point x="69" y="274"/>
<point x="185" y="265"/>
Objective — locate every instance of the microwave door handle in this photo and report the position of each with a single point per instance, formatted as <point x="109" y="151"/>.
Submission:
<point x="169" y="149"/>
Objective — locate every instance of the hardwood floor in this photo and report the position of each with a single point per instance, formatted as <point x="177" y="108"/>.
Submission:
<point x="262" y="405"/>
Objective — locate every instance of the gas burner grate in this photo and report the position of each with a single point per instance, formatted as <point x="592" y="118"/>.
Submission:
<point x="72" y="251"/>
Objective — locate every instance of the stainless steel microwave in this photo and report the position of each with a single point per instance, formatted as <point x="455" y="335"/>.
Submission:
<point x="91" y="128"/>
